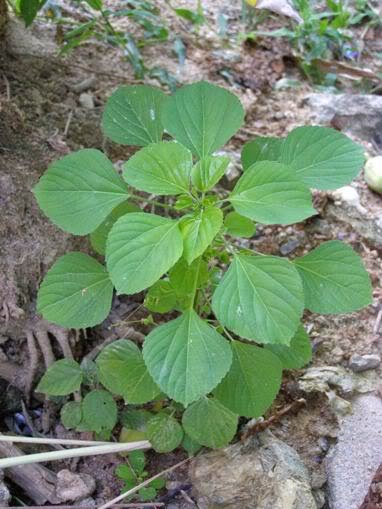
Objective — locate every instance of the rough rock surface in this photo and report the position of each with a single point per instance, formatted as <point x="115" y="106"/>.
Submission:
<point x="360" y="363"/>
<point x="352" y="462"/>
<point x="360" y="115"/>
<point x="71" y="487"/>
<point x="263" y="473"/>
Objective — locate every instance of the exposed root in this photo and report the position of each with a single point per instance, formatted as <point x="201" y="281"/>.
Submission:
<point x="41" y="332"/>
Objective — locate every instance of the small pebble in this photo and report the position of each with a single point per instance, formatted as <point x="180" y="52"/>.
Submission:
<point x="86" y="101"/>
<point x="289" y="247"/>
<point x="360" y="363"/>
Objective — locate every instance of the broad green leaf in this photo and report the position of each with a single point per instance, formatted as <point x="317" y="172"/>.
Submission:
<point x="269" y="192"/>
<point x="160" y="168"/>
<point x="334" y="279"/>
<point x="210" y="423"/>
<point x="186" y="357"/>
<point x="99" y="410"/>
<point x="164" y="433"/>
<point x="125" y="473"/>
<point x="239" y="226"/>
<point x="76" y="292"/>
<point x="208" y="171"/>
<point x="260" y="298"/>
<point x="183" y="202"/>
<point x="135" y="418"/>
<point x="203" y="117"/>
<point x="80" y="190"/>
<point x="158" y="483"/>
<point x="322" y="157"/>
<point x="198" y="231"/>
<point x="29" y="10"/>
<point x="190" y="445"/>
<point x="298" y="354"/>
<point x="137" y="461"/>
<point x="147" y="493"/>
<point x="252" y="382"/>
<point x="261" y="149"/>
<point x="161" y="297"/>
<point x="61" y="378"/>
<point x="123" y="372"/>
<point x="132" y="115"/>
<point x="140" y="249"/>
<point x="184" y="277"/>
<point x="71" y="414"/>
<point x="98" y="238"/>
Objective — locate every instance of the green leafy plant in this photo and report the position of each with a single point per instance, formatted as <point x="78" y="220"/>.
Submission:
<point x="231" y="331"/>
<point x="325" y="33"/>
<point x="133" y="473"/>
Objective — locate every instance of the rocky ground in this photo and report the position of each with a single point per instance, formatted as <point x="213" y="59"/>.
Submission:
<point x="325" y="447"/>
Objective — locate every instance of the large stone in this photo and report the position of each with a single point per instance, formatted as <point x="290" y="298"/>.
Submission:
<point x="352" y="462"/>
<point x="73" y="487"/>
<point x="262" y="473"/>
<point x="360" y="115"/>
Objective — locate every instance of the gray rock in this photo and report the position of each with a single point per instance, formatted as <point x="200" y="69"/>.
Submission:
<point x="323" y="378"/>
<point x="360" y="115"/>
<point x="350" y="197"/>
<point x="84" y="85"/>
<point x="367" y="226"/>
<point x="263" y="473"/>
<point x="87" y="502"/>
<point x="360" y="363"/>
<point x="72" y="487"/>
<point x="352" y="462"/>
<point x="373" y="173"/>
<point x="289" y="246"/>
<point x="86" y="100"/>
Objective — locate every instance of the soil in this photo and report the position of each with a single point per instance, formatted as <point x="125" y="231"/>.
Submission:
<point x="41" y="120"/>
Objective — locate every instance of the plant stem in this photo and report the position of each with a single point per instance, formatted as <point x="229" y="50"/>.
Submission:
<point x="195" y="288"/>
<point x="148" y="200"/>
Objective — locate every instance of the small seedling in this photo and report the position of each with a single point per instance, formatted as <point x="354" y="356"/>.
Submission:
<point x="231" y="316"/>
<point x="133" y="473"/>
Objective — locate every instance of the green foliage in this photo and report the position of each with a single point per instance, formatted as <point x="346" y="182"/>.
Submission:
<point x="236" y="313"/>
<point x="131" y="116"/>
<point x="202" y="117"/>
<point x="210" y="423"/>
<point x="164" y="432"/>
<point x="269" y="193"/>
<point x="133" y="473"/>
<point x="334" y="279"/>
<point x="76" y="292"/>
<point x="140" y="249"/>
<point x="99" y="411"/>
<point x="80" y="190"/>
<point x="325" y="32"/>
<point x="123" y="372"/>
<point x="62" y="378"/>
